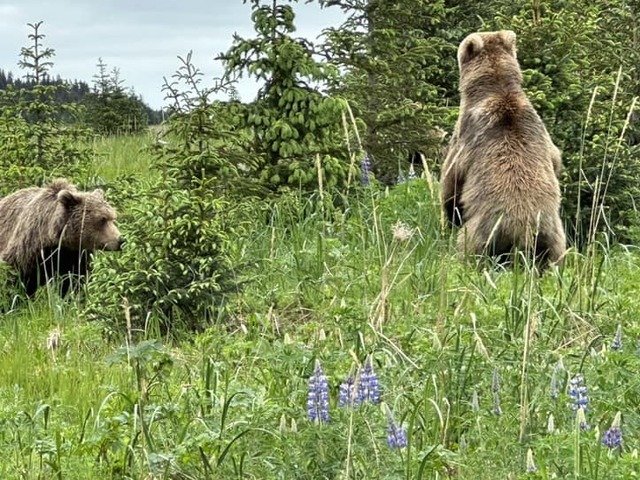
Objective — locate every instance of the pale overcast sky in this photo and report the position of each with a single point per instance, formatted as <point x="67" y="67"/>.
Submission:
<point x="141" y="37"/>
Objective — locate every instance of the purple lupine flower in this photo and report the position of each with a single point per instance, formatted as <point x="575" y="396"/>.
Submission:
<point x="318" y="398"/>
<point x="347" y="393"/>
<point x="365" y="169"/>
<point x="578" y="392"/>
<point x="368" y="386"/>
<point x="396" y="435"/>
<point x="617" y="339"/>
<point x="612" y="438"/>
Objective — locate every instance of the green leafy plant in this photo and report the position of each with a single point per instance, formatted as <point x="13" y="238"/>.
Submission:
<point x="41" y="138"/>
<point x="178" y="265"/>
<point x="111" y="109"/>
<point x="296" y="131"/>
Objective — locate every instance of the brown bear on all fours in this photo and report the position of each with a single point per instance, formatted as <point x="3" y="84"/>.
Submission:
<point x="49" y="232"/>
<point x="499" y="179"/>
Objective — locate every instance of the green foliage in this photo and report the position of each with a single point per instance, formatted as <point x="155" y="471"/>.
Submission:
<point x="111" y="109"/>
<point x="41" y="138"/>
<point x="400" y="67"/>
<point x="178" y="263"/>
<point x="296" y="130"/>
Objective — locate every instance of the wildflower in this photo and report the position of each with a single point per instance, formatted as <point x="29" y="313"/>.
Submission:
<point x="578" y="392"/>
<point x="401" y="232"/>
<point x="495" y="388"/>
<point x="475" y="404"/>
<point x="365" y="169"/>
<point x="496" y="404"/>
<point x="368" y="387"/>
<point x="551" y="424"/>
<point x="396" y="434"/>
<point x="347" y="392"/>
<point x="617" y="339"/>
<point x="531" y="466"/>
<point x="495" y="381"/>
<point x="582" y="419"/>
<point x="318" y="398"/>
<point x="612" y="438"/>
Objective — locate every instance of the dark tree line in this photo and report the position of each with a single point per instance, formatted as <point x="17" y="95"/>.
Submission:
<point x="94" y="99"/>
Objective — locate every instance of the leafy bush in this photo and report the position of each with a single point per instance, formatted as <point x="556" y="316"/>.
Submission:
<point x="178" y="262"/>
<point x="296" y="132"/>
<point x="178" y="259"/>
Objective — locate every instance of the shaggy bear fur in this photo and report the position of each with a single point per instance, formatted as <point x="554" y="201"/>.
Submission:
<point x="499" y="179"/>
<point x="49" y="232"/>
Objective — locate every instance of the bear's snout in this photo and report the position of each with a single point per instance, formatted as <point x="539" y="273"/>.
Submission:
<point x="121" y="241"/>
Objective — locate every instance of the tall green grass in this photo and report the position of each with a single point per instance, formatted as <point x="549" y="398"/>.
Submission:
<point x="377" y="278"/>
<point x="122" y="156"/>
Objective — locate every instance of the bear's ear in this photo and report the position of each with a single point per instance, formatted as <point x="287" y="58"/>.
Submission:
<point x="469" y="48"/>
<point x="68" y="198"/>
<point x="98" y="193"/>
<point x="509" y="39"/>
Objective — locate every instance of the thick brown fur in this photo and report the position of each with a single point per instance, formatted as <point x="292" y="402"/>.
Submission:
<point x="499" y="179"/>
<point x="50" y="231"/>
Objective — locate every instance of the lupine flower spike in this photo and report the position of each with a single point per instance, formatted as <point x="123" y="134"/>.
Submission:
<point x="612" y="438"/>
<point x="475" y="403"/>
<point x="365" y="169"/>
<point x="551" y="424"/>
<point x="495" y="388"/>
<point x="412" y="173"/>
<point x="318" y="398"/>
<point x="396" y="434"/>
<point x="497" y="410"/>
<point x="368" y="386"/>
<point x="578" y="392"/>
<point x="617" y="339"/>
<point x="347" y="393"/>
<point x="531" y="466"/>
<point x="581" y="420"/>
<point x="555" y="380"/>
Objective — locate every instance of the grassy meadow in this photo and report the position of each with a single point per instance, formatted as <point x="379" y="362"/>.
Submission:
<point x="483" y="368"/>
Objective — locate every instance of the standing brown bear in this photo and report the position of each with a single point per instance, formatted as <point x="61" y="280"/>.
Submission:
<point x="499" y="179"/>
<point x="49" y="232"/>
